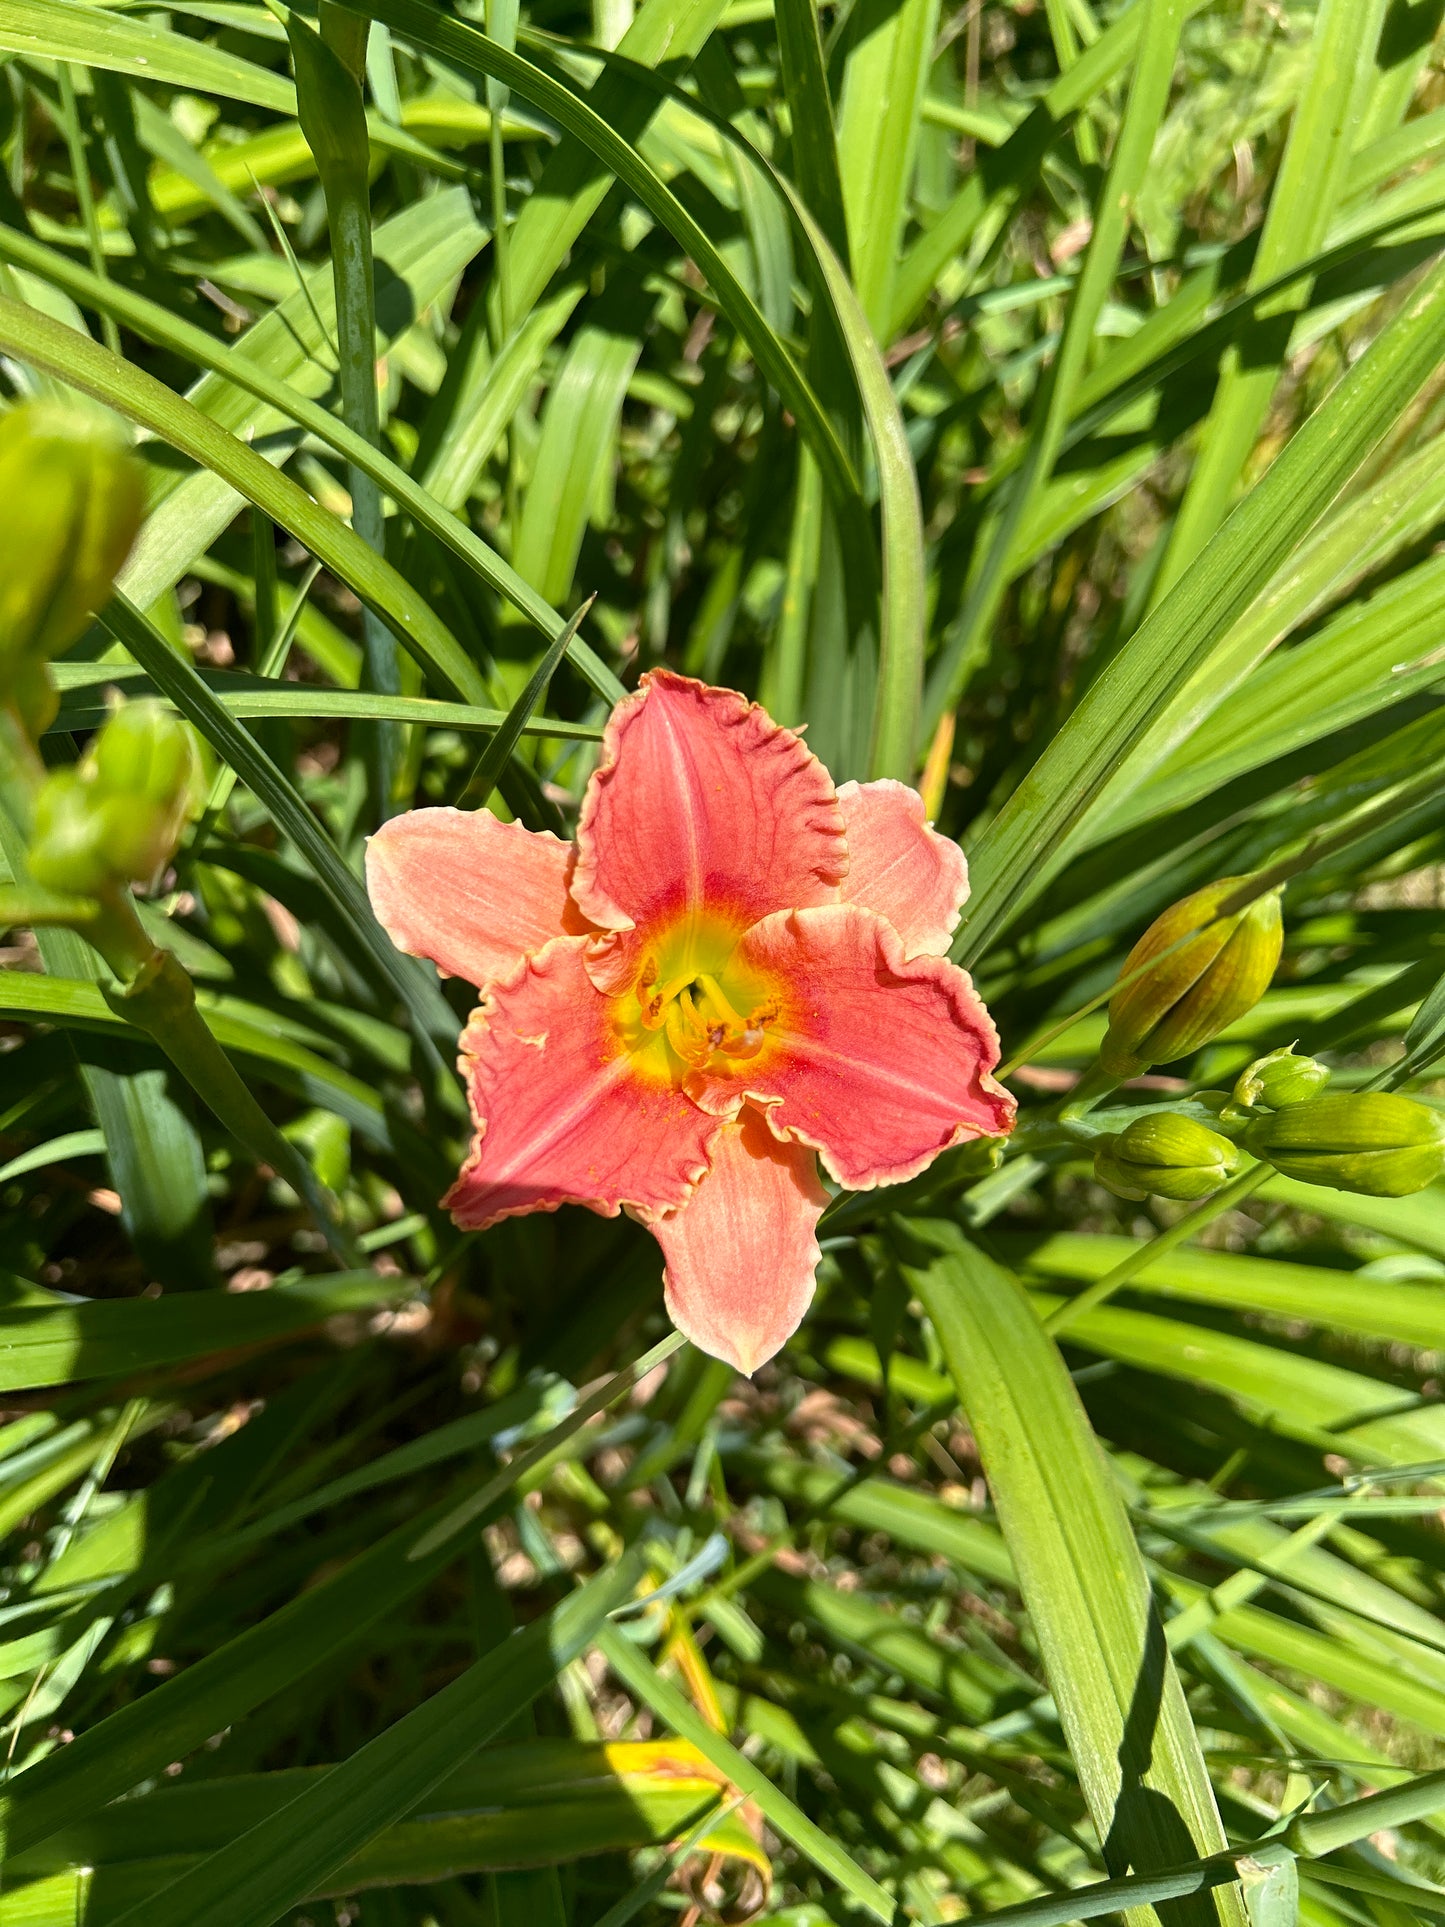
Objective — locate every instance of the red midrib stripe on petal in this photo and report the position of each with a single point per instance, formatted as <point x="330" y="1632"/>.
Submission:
<point x="694" y="882"/>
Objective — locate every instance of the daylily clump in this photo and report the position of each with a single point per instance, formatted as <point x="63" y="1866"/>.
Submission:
<point x="735" y="971"/>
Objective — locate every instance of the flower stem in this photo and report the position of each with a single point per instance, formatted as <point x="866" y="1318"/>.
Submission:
<point x="158" y="997"/>
<point x="155" y="994"/>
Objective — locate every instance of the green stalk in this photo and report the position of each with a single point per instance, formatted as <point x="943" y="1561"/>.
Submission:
<point x="84" y="198"/>
<point x="1148" y="100"/>
<point x="329" y="74"/>
<point x="502" y="26"/>
<point x="156" y="995"/>
<point x="1312" y="176"/>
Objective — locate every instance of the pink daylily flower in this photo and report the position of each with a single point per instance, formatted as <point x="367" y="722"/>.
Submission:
<point x="736" y="971"/>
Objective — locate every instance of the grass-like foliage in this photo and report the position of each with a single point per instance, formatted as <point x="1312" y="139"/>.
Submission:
<point x="1041" y="402"/>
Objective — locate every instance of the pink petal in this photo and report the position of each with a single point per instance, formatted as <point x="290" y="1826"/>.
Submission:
<point x="701" y="801"/>
<point x="901" y="867"/>
<point x="877" y="1061"/>
<point x="473" y="894"/>
<point x="741" y="1252"/>
<point x="565" y="1114"/>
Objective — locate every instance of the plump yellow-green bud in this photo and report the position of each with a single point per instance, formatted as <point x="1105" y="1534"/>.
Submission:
<point x="1274" y="1082"/>
<point x="1170" y="1156"/>
<point x="1220" y="970"/>
<point x="118" y="816"/>
<point x="68" y="838"/>
<point x="73" y="498"/>
<point x="1370" y="1141"/>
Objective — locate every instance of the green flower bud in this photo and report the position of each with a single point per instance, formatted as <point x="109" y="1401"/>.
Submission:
<point x="73" y="498"/>
<point x="118" y="816"/>
<point x="146" y="774"/>
<point x="68" y="840"/>
<point x="1280" y="1079"/>
<point x="1170" y="1156"/>
<point x="147" y="752"/>
<point x="1219" y="972"/>
<point x="1370" y="1141"/>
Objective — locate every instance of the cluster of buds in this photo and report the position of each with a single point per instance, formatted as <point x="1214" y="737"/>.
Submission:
<point x="117" y="816"/>
<point x="1213" y="965"/>
<point x="74" y="499"/>
<point x="1374" y="1142"/>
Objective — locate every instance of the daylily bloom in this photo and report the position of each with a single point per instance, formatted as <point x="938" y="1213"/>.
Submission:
<point x="735" y="971"/>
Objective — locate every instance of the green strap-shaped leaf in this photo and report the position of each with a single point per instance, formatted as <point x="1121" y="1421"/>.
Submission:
<point x="120" y="44"/>
<point x="171" y="331"/>
<point x="285" y="1857"/>
<point x="456" y="41"/>
<point x="1149" y="92"/>
<point x="639" y="1675"/>
<point x="112" y="1336"/>
<point x="1133" y="1744"/>
<point x="889" y="54"/>
<point x="59" y="351"/>
<point x="1312" y="177"/>
<point x="176" y="678"/>
<point x="1030" y="838"/>
<point x="78" y="1004"/>
<point x="894" y="743"/>
<point x="577" y="448"/>
<point x="83" y="687"/>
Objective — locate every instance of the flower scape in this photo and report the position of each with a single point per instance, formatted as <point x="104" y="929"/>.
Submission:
<point x="736" y="973"/>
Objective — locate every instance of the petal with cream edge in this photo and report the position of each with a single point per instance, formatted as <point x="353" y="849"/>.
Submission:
<point x="474" y="894"/>
<point x="741" y="1253"/>
<point x="565" y="1113"/>
<point x="878" y="1061"/>
<point x="900" y="866"/>
<point x="703" y="805"/>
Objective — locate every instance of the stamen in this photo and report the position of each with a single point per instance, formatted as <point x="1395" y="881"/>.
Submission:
<point x="699" y="1019"/>
<point x="721" y="1008"/>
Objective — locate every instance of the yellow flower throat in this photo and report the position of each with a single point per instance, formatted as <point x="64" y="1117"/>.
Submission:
<point x="698" y="1019"/>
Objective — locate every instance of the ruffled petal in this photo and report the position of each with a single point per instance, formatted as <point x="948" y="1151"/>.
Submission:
<point x="741" y="1253"/>
<point x="702" y="803"/>
<point x="474" y="894"/>
<point x="900" y="866"/>
<point x="877" y="1061"/>
<point x="565" y="1114"/>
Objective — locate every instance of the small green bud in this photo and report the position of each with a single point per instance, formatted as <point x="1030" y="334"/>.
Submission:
<point x="1215" y="976"/>
<point x="1370" y="1141"/>
<point x="119" y="814"/>
<point x="146" y="773"/>
<point x="1170" y="1156"/>
<point x="1274" y="1082"/>
<point x="74" y="499"/>
<point x="68" y="839"/>
<point x="147" y="752"/>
